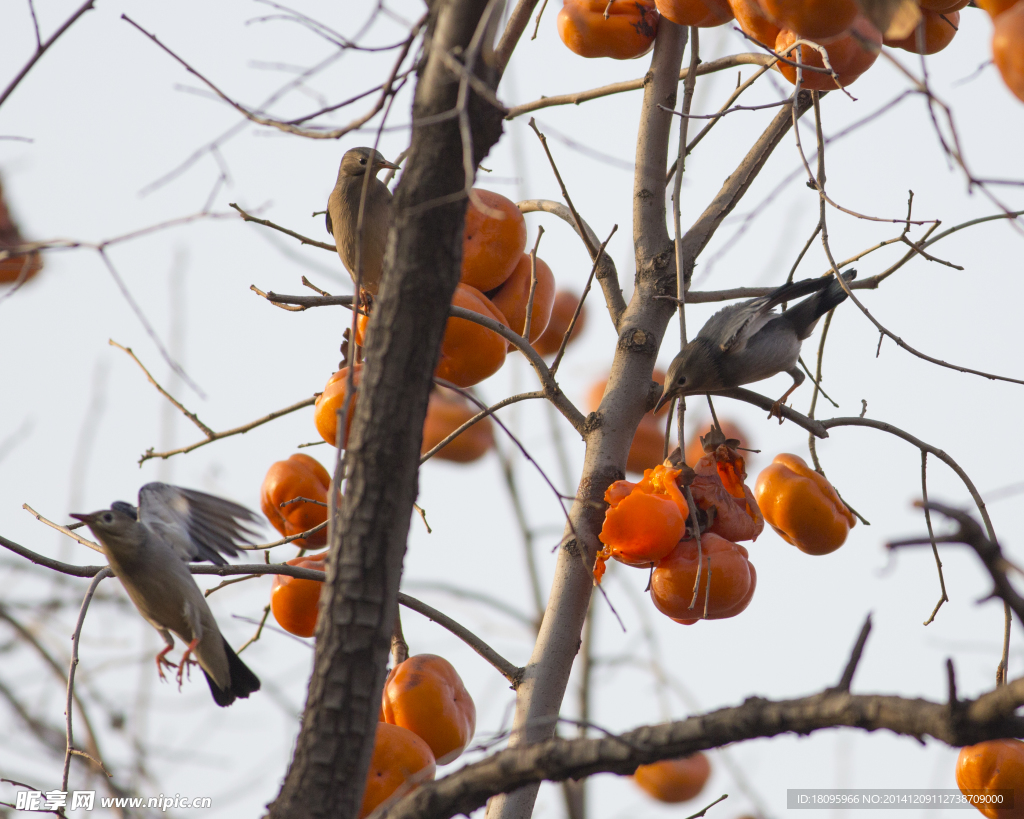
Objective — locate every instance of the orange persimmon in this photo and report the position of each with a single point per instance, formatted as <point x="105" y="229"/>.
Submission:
<point x="802" y="506"/>
<point x="939" y="30"/>
<point x="644" y="521"/>
<point x="493" y="240"/>
<point x="674" y="780"/>
<point x="1008" y="50"/>
<point x="470" y="353"/>
<point x="562" y="311"/>
<point x="848" y="56"/>
<point x="751" y="19"/>
<point x="299" y="477"/>
<point x="813" y="19"/>
<point x="699" y="13"/>
<point x="720" y="482"/>
<point x="996" y="7"/>
<point x="401" y="762"/>
<point x="733" y="580"/>
<point x="512" y="297"/>
<point x="332" y="401"/>
<point x="426" y="695"/>
<point x="446" y="412"/>
<point x="628" y="31"/>
<point x="295" y="601"/>
<point x="996" y="765"/>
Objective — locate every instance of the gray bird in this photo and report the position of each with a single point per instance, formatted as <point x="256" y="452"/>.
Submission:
<point x="149" y="549"/>
<point x="749" y="342"/>
<point x="343" y="214"/>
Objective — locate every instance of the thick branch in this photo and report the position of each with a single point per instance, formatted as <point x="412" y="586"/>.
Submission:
<point x="990" y="716"/>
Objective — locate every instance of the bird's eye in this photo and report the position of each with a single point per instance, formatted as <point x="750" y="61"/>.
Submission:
<point x="681" y="380"/>
<point x="108" y="518"/>
<point x="362" y="161"/>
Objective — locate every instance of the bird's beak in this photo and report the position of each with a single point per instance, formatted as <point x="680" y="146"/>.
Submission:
<point x="666" y="396"/>
<point x="84" y="518"/>
<point x="386" y="164"/>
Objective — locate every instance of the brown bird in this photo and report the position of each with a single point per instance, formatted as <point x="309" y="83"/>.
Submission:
<point x="343" y="215"/>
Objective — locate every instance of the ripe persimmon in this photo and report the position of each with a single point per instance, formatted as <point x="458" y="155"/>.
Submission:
<point x="562" y="311"/>
<point x="674" y="780"/>
<point x="628" y="32"/>
<point x="699" y="13"/>
<point x="401" y="761"/>
<point x="332" y="400"/>
<point x="848" y="55"/>
<point x="751" y="19"/>
<point x="470" y="353"/>
<point x="996" y="765"/>
<point x="295" y="600"/>
<point x="720" y="484"/>
<point x="644" y="521"/>
<point x="813" y="19"/>
<point x="939" y="30"/>
<point x="996" y="7"/>
<point x="446" y="412"/>
<point x="512" y="297"/>
<point x="733" y="580"/>
<point x="1008" y="49"/>
<point x="647" y="449"/>
<point x="426" y="695"/>
<point x="298" y="477"/>
<point x="802" y="506"/>
<point x="493" y="240"/>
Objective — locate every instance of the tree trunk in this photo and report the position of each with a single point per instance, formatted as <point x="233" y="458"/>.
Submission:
<point x="332" y="755"/>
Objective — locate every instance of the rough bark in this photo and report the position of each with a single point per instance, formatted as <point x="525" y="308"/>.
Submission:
<point x="641" y="328"/>
<point x="955" y="723"/>
<point x="358" y="604"/>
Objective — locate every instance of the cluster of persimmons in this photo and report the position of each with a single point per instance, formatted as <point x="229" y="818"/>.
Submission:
<point x="624" y="29"/>
<point x="698" y="569"/>
<point x="500" y="281"/>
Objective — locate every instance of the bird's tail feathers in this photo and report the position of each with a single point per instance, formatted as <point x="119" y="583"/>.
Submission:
<point x="806" y="314"/>
<point x="243" y="681"/>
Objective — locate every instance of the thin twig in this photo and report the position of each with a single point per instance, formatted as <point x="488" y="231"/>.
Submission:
<point x="76" y="637"/>
<point x="943" y="597"/>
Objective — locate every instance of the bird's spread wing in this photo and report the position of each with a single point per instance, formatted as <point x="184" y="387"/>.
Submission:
<point x="198" y="526"/>
<point x="731" y="327"/>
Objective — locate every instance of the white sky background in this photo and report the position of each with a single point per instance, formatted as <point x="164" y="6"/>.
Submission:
<point x="108" y="114"/>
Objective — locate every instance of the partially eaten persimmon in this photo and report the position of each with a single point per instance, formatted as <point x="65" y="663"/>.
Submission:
<point x="644" y="520"/>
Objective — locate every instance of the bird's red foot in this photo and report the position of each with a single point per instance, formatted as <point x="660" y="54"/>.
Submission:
<point x="776" y="411"/>
<point x="185" y="662"/>
<point x="161" y="661"/>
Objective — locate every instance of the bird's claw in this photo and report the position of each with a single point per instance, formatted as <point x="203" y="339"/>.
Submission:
<point x="185" y="663"/>
<point x="776" y="411"/>
<point x="161" y="661"/>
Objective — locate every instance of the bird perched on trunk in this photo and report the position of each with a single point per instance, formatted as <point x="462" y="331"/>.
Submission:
<point x="749" y="342"/>
<point x="343" y="214"/>
<point x="149" y="549"/>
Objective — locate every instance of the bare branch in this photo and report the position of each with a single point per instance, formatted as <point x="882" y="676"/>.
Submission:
<point x="635" y="85"/>
<point x="41" y="48"/>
